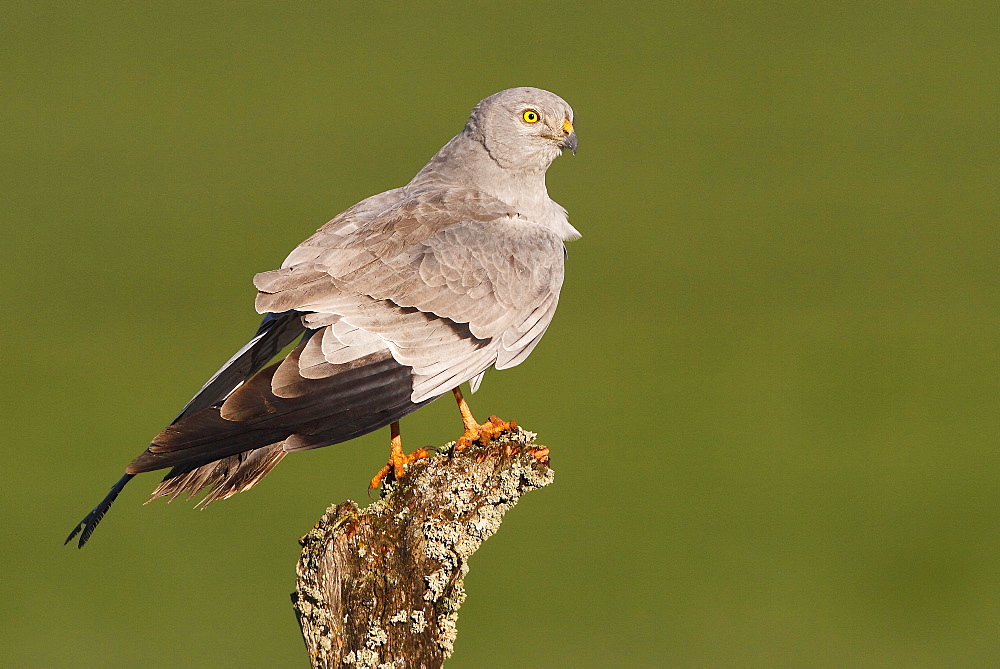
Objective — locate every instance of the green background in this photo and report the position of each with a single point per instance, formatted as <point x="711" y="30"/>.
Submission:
<point x="771" y="390"/>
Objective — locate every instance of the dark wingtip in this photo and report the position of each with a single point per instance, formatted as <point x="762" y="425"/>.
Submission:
<point x="76" y="530"/>
<point x="90" y="521"/>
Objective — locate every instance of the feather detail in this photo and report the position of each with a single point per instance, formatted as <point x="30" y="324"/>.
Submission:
<point x="226" y="477"/>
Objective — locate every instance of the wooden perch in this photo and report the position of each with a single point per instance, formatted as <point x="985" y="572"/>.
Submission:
<point x="381" y="587"/>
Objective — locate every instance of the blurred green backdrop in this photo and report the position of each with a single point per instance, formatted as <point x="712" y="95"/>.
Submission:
<point x="771" y="391"/>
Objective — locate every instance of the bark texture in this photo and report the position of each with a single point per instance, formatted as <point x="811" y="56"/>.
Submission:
<point x="381" y="587"/>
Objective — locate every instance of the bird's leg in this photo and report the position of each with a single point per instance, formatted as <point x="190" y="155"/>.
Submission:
<point x="397" y="458"/>
<point x="474" y="432"/>
<point x="463" y="407"/>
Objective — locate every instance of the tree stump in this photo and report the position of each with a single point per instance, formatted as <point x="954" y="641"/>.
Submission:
<point x="381" y="587"/>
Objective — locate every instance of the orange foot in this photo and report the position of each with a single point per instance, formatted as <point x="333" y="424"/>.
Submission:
<point x="485" y="433"/>
<point x="397" y="459"/>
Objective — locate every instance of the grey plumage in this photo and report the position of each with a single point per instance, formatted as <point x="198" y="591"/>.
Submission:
<point x="399" y="299"/>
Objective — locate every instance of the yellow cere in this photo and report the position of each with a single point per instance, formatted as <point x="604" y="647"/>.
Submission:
<point x="567" y="126"/>
<point x="530" y="116"/>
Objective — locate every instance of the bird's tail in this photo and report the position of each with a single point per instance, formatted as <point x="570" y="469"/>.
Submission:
<point x="89" y="523"/>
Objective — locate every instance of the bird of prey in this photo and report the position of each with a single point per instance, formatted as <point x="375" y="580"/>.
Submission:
<point x="398" y="300"/>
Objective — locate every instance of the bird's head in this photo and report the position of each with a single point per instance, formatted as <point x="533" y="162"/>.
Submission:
<point x="524" y="128"/>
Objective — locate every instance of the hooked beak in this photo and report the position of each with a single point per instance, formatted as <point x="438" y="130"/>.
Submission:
<point x="569" y="141"/>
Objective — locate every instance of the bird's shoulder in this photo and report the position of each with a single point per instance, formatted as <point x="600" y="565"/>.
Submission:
<point x="385" y="225"/>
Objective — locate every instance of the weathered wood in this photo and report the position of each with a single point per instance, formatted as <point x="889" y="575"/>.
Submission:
<point x="381" y="587"/>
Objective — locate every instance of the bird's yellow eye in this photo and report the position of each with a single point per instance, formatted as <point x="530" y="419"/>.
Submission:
<point x="530" y="116"/>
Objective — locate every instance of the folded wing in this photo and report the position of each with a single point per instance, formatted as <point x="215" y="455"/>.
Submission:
<point x="401" y="301"/>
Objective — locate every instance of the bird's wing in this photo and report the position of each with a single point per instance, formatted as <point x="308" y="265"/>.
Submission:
<point x="275" y="332"/>
<point x="450" y="282"/>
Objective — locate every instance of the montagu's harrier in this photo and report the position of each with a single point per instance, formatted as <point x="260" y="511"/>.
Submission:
<point x="398" y="300"/>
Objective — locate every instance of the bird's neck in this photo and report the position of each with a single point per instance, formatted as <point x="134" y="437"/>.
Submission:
<point x="466" y="163"/>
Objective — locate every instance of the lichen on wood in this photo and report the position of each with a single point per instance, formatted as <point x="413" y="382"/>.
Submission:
<point x="381" y="587"/>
